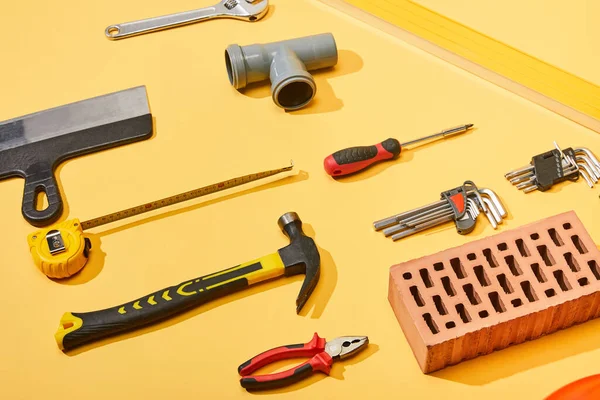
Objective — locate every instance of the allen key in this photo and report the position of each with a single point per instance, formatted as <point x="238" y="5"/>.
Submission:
<point x="555" y="166"/>
<point x="462" y="205"/>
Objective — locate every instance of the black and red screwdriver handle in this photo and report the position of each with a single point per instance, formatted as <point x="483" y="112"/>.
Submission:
<point x="354" y="159"/>
<point x="320" y="361"/>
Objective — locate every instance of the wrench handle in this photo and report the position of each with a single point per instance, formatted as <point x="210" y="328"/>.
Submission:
<point x="128" y="29"/>
<point x="354" y="159"/>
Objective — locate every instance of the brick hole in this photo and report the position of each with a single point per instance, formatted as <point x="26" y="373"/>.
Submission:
<point x="407" y="275"/>
<point x="562" y="280"/>
<point x="567" y="226"/>
<point x="546" y="256"/>
<point x="458" y="268"/>
<point x="555" y="237"/>
<point x="539" y="274"/>
<point x="417" y="296"/>
<point x="502" y="246"/>
<point x="594" y="267"/>
<point x="506" y="286"/>
<point x="497" y="302"/>
<point x="513" y="265"/>
<point x="431" y="323"/>
<point x="448" y="286"/>
<point x="471" y="294"/>
<point x="438" y="266"/>
<point x="450" y="325"/>
<point x="462" y="312"/>
<point x="490" y="258"/>
<point x="437" y="300"/>
<point x="583" y="281"/>
<point x="572" y="262"/>
<point x="516" y="303"/>
<point x="579" y="244"/>
<point x="484" y="314"/>
<point x="481" y="275"/>
<point x="534" y="236"/>
<point x="522" y="248"/>
<point x="471" y="256"/>
<point x="426" y="278"/>
<point x="550" y="293"/>
<point x="528" y="291"/>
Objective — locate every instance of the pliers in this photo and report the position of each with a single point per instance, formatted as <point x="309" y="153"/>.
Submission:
<point x="323" y="354"/>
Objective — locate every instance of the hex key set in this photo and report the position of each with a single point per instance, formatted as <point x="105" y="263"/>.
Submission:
<point x="462" y="205"/>
<point x="555" y="166"/>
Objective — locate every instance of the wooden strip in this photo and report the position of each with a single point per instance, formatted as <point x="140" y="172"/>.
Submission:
<point x="492" y="60"/>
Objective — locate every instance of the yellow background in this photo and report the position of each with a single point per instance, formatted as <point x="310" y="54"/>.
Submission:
<point x="54" y="53"/>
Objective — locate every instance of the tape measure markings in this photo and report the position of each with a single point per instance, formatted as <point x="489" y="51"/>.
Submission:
<point x="210" y="189"/>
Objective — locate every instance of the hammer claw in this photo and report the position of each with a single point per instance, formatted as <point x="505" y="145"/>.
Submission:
<point x="301" y="256"/>
<point x="308" y="286"/>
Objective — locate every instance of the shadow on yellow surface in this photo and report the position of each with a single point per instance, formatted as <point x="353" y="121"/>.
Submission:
<point x="337" y="371"/>
<point x="92" y="268"/>
<point x="269" y="13"/>
<point x="95" y="263"/>
<point x="327" y="282"/>
<point x="325" y="99"/>
<point x="317" y="301"/>
<point x="523" y="357"/>
<point x="405" y="156"/>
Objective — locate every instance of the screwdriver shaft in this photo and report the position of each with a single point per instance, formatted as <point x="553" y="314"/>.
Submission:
<point x="448" y="132"/>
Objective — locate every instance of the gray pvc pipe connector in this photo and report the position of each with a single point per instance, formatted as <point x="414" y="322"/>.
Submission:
<point x="286" y="64"/>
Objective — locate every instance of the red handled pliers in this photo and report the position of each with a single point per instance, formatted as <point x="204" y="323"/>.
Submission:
<point x="323" y="354"/>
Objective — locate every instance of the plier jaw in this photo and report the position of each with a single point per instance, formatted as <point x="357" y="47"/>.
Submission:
<point x="346" y="346"/>
<point x="323" y="355"/>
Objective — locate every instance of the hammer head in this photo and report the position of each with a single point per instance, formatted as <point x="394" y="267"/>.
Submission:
<point x="300" y="256"/>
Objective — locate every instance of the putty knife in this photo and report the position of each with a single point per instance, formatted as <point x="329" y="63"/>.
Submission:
<point x="32" y="146"/>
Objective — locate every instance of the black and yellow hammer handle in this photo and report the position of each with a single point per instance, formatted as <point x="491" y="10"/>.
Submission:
<point x="77" y="329"/>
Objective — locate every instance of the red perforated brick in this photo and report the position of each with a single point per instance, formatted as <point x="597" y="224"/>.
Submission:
<point x="498" y="291"/>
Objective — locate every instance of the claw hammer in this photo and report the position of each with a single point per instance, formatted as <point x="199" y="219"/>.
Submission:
<point x="301" y="256"/>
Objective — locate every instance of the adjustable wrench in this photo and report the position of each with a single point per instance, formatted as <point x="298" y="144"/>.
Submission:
<point x="245" y="10"/>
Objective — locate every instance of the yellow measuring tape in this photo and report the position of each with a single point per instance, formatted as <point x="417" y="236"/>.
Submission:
<point x="61" y="250"/>
<point x="497" y="62"/>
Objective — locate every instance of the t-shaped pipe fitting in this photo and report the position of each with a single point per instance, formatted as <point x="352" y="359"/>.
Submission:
<point x="286" y="63"/>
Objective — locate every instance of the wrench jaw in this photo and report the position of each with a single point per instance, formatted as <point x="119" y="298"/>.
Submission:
<point x="461" y="205"/>
<point x="245" y="10"/>
<point x="555" y="166"/>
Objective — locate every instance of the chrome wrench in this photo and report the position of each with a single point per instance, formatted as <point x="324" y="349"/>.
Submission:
<point x="244" y="10"/>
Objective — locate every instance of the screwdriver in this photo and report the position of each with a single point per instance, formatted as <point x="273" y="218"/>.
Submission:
<point x="354" y="159"/>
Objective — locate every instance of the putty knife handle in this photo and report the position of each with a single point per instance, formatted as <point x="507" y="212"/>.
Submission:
<point x="40" y="178"/>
